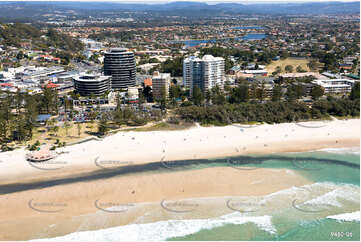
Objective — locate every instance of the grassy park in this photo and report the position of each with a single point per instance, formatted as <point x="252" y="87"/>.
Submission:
<point x="294" y="62"/>
<point x="68" y="135"/>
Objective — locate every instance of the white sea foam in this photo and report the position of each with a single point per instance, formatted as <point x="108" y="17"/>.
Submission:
<point x="286" y="192"/>
<point x="354" y="216"/>
<point x="354" y="150"/>
<point x="163" y="230"/>
<point x="319" y="193"/>
<point x="333" y="197"/>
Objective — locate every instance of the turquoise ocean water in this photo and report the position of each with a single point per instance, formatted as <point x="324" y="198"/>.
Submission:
<point x="336" y="191"/>
<point x="328" y="209"/>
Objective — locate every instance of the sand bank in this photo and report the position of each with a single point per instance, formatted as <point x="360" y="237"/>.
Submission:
<point x="63" y="209"/>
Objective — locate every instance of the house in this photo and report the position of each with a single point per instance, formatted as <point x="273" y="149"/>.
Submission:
<point x="148" y="82"/>
<point x="50" y="85"/>
<point x="345" y="66"/>
<point x="234" y="70"/>
<point x="49" y="58"/>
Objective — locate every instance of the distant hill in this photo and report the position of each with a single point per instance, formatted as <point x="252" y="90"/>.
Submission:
<point x="14" y="34"/>
<point x="36" y="9"/>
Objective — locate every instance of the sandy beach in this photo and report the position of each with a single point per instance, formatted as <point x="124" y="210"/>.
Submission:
<point x="59" y="207"/>
<point x="63" y="209"/>
<point x="134" y="147"/>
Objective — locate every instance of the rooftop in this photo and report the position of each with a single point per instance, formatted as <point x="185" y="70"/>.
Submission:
<point x="118" y="51"/>
<point x="157" y="75"/>
<point x="334" y="82"/>
<point x="211" y="58"/>
<point x="91" y="78"/>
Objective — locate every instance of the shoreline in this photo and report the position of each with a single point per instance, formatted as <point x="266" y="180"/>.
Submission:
<point x="135" y="148"/>
<point x="83" y="205"/>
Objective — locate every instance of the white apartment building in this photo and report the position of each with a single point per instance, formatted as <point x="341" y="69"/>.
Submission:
<point x="204" y="73"/>
<point x="335" y="85"/>
<point x="187" y="70"/>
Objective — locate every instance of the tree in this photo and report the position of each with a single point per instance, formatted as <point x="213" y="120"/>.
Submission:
<point x="174" y="91"/>
<point x="299" y="90"/>
<point x="56" y="129"/>
<point x="291" y="94"/>
<point x="284" y="54"/>
<point x="330" y="61"/>
<point x="20" y="132"/>
<point x="18" y="101"/>
<point x="289" y="68"/>
<point x="299" y="69"/>
<point x="78" y="126"/>
<point x="355" y="91"/>
<point x="67" y="126"/>
<point x="118" y="101"/>
<point x="141" y="100"/>
<point x="118" y="116"/>
<point x="6" y="116"/>
<point x="4" y="129"/>
<point x="277" y="71"/>
<point x="127" y="114"/>
<point x="50" y="100"/>
<point x="174" y="67"/>
<point x="312" y="64"/>
<point x="162" y="100"/>
<point x="68" y="104"/>
<point x="260" y="92"/>
<point x="217" y="96"/>
<point x="103" y="125"/>
<point x="253" y="90"/>
<point x="20" y="55"/>
<point x="276" y="93"/>
<point x="30" y="113"/>
<point x="208" y="97"/>
<point x="147" y="92"/>
<point x="228" y="64"/>
<point x="92" y="116"/>
<point x="239" y="94"/>
<point x="198" y="97"/>
<point x="317" y="92"/>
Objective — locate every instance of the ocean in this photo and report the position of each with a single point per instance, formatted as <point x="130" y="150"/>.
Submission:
<point x="327" y="209"/>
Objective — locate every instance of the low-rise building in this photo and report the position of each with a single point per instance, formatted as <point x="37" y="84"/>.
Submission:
<point x="160" y="82"/>
<point x="256" y="72"/>
<point x="133" y="93"/>
<point x="94" y="84"/>
<point x="335" y="85"/>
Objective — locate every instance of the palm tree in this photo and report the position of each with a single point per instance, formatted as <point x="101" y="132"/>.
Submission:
<point x="67" y="126"/>
<point x="103" y="125"/>
<point x="78" y="125"/>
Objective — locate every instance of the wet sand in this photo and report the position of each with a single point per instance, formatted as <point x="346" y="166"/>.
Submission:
<point x="59" y="210"/>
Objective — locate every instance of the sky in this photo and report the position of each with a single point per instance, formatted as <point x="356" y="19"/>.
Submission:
<point x="207" y="1"/>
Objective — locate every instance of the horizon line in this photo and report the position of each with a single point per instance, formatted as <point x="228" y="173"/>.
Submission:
<point x="209" y="2"/>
